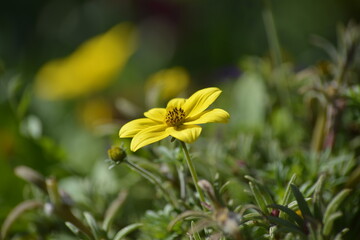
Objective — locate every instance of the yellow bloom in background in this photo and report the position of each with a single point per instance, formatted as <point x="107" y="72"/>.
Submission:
<point x="95" y="112"/>
<point x="179" y="119"/>
<point x="166" y="84"/>
<point x="90" y="68"/>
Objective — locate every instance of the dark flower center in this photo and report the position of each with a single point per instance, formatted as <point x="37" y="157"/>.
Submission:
<point x="175" y="117"/>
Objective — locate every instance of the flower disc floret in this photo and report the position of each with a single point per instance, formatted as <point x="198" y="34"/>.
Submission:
<point x="175" y="117"/>
<point x="180" y="119"/>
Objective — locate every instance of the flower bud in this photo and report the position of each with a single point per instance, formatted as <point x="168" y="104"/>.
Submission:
<point x="117" y="154"/>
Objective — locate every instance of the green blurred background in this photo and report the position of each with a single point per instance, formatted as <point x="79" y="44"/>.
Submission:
<point x="203" y="36"/>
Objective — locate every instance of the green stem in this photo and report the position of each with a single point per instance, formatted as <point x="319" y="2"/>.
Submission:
<point x="341" y="74"/>
<point x="153" y="180"/>
<point x="319" y="131"/>
<point x="271" y="33"/>
<point x="193" y="172"/>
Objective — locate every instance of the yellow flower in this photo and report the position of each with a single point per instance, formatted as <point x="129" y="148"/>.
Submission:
<point x="91" y="67"/>
<point x="179" y="119"/>
<point x="95" y="112"/>
<point x="168" y="83"/>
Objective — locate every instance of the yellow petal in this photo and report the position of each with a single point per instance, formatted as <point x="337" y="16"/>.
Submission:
<point x="90" y="68"/>
<point x="200" y="101"/>
<point x="185" y="133"/>
<point x="216" y="115"/>
<point x="169" y="82"/>
<point x="132" y="128"/>
<point x="147" y="136"/>
<point x="175" y="102"/>
<point x="156" y="114"/>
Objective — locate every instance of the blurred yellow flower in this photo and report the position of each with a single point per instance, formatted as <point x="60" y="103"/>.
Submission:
<point x="91" y="67"/>
<point x="168" y="83"/>
<point x="95" y="112"/>
<point x="179" y="119"/>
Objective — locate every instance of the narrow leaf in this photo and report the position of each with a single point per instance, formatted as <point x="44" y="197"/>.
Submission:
<point x="196" y="214"/>
<point x="265" y="192"/>
<point x="330" y="221"/>
<point x="304" y="208"/>
<point x="317" y="196"/>
<point x="113" y="209"/>
<point x="287" y="194"/>
<point x="291" y="230"/>
<point x="76" y="231"/>
<point x="126" y="230"/>
<point x="293" y="216"/>
<point x="334" y="204"/>
<point x="295" y="206"/>
<point x="93" y="225"/>
<point x="341" y="234"/>
<point x="196" y="235"/>
<point x="258" y="197"/>
<point x="284" y="223"/>
<point x="32" y="176"/>
<point x="16" y="213"/>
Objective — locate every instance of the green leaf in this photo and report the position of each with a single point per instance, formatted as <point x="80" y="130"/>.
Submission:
<point x="72" y="228"/>
<point x="93" y="225"/>
<point x="113" y="209"/>
<point x="293" y="216"/>
<point x="126" y="230"/>
<point x="32" y="176"/>
<point x="287" y="194"/>
<point x="317" y="196"/>
<point x="334" y="204"/>
<point x="195" y="214"/>
<point x="329" y="223"/>
<point x="195" y="235"/>
<point x="340" y="235"/>
<point x="79" y="234"/>
<point x="15" y="213"/>
<point x="284" y="224"/>
<point x="261" y="193"/>
<point x="259" y="198"/>
<point x="331" y="212"/>
<point x="291" y="230"/>
<point x="303" y="206"/>
<point x="295" y="206"/>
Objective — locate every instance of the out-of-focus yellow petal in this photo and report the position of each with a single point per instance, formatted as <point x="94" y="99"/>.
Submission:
<point x="169" y="82"/>
<point x="200" y="100"/>
<point x="299" y="213"/>
<point x="130" y="129"/>
<point x="216" y="115"/>
<point x="95" y="112"/>
<point x="185" y="133"/>
<point x="147" y="136"/>
<point x="176" y="102"/>
<point x="156" y="114"/>
<point x="90" y="68"/>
